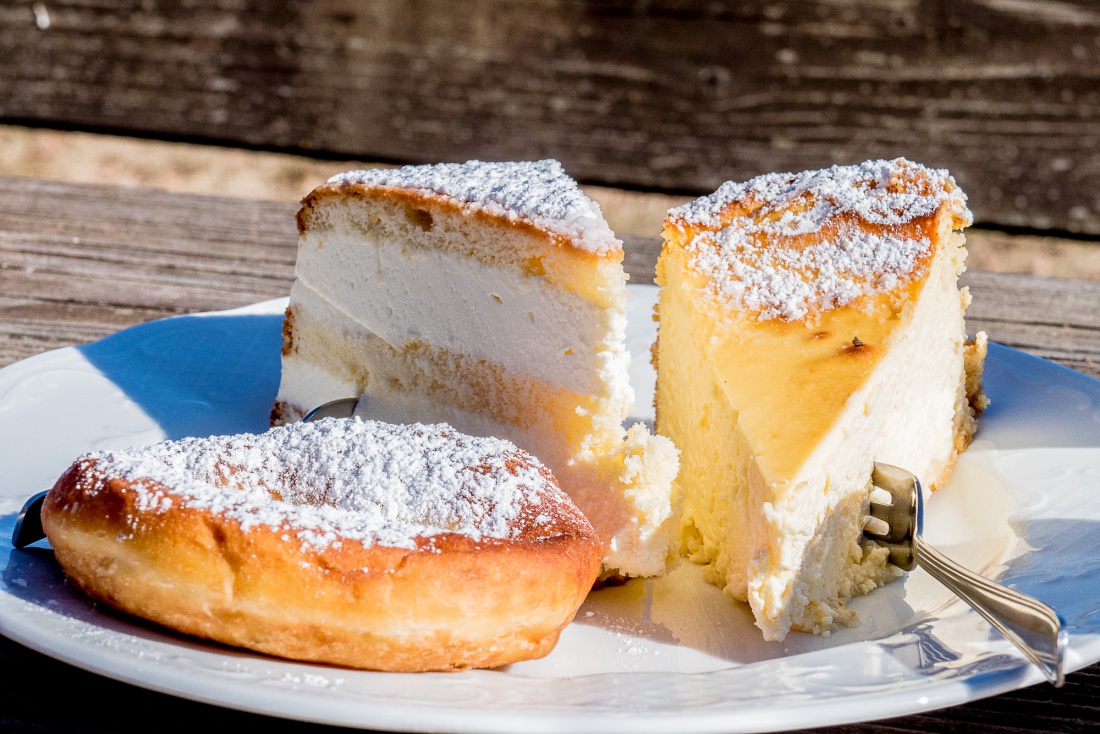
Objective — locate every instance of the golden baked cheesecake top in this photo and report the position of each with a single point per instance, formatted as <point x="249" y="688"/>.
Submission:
<point x="789" y="246"/>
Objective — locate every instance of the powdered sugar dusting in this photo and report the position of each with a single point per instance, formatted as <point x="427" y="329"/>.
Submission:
<point x="345" y="479"/>
<point x="539" y="192"/>
<point x="789" y="245"/>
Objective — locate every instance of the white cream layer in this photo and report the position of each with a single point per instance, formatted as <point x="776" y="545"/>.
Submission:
<point x="461" y="305"/>
<point x="308" y="385"/>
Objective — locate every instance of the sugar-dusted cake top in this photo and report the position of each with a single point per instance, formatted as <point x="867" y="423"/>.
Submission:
<point x="539" y="192"/>
<point x="332" y="479"/>
<point x="787" y="245"/>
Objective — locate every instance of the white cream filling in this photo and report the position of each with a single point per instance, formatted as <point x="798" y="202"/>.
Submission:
<point x="459" y="304"/>
<point x="307" y="385"/>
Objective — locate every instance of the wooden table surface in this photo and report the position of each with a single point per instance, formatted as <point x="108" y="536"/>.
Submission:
<point x="79" y="262"/>
<point x="661" y="94"/>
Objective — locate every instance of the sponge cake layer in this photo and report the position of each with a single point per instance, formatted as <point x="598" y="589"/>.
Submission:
<point x="490" y="296"/>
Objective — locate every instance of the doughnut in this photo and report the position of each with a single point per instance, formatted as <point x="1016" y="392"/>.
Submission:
<point x="341" y="541"/>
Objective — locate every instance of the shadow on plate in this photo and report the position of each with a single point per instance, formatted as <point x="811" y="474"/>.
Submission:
<point x="197" y="375"/>
<point x="1035" y="403"/>
<point x="1065" y="573"/>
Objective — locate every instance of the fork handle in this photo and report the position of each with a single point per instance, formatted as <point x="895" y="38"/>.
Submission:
<point x="1027" y="623"/>
<point x="28" y="526"/>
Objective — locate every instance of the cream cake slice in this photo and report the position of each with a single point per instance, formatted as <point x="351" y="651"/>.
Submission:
<point x="811" y="324"/>
<point x="490" y="296"/>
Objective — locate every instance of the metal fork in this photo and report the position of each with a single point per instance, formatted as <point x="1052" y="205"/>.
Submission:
<point x="1032" y="626"/>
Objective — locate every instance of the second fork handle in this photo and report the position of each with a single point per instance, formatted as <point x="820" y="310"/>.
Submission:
<point x="1026" y="622"/>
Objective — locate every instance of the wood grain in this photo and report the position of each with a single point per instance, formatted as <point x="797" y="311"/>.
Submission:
<point x="663" y="94"/>
<point x="78" y="262"/>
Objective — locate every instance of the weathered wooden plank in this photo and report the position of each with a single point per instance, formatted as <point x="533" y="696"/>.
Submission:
<point x="78" y="263"/>
<point x="1053" y="318"/>
<point x="640" y="257"/>
<point x="666" y="94"/>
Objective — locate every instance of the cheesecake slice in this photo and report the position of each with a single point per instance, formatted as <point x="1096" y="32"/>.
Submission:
<point x="490" y="296"/>
<point x="811" y="324"/>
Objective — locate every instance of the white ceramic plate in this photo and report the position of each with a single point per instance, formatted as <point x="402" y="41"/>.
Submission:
<point x="1023" y="506"/>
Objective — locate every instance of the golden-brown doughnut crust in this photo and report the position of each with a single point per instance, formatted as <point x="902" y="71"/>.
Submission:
<point x="453" y="602"/>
